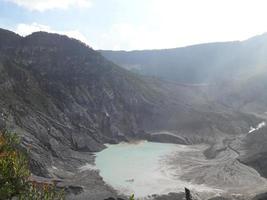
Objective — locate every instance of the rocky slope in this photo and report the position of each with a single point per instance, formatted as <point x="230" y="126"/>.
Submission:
<point x="66" y="100"/>
<point x="66" y="97"/>
<point x="254" y="151"/>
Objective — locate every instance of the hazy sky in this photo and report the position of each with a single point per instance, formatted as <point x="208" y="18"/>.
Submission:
<point x="138" y="24"/>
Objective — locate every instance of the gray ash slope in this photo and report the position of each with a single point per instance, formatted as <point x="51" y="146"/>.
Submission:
<point x="65" y="96"/>
<point x="66" y="100"/>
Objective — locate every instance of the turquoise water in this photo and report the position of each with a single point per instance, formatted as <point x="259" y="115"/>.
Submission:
<point x="147" y="168"/>
<point x="137" y="168"/>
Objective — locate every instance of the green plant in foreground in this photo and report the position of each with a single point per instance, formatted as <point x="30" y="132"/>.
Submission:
<point x="15" y="174"/>
<point x="42" y="191"/>
<point x="132" y="197"/>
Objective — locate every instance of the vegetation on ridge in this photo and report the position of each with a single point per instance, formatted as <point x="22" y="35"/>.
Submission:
<point x="15" y="178"/>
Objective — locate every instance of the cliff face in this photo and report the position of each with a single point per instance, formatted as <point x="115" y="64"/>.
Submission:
<point x="62" y="96"/>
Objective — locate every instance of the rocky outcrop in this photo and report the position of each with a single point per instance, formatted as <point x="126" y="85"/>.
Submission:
<point x="260" y="197"/>
<point x="254" y="150"/>
<point x="166" y="137"/>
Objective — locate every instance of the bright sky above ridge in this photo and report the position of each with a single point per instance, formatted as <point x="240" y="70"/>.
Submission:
<point x="138" y="24"/>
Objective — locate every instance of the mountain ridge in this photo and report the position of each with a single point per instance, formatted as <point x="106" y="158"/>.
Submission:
<point x="203" y="63"/>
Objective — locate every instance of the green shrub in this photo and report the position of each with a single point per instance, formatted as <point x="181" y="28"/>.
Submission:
<point x="15" y="174"/>
<point x="42" y="191"/>
<point x="132" y="197"/>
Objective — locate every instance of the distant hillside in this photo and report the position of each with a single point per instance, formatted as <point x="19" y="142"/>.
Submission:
<point x="204" y="63"/>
